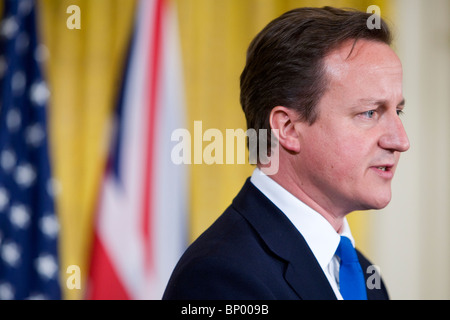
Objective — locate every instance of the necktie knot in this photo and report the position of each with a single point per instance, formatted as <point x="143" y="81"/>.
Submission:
<point x="346" y="252"/>
<point x="351" y="278"/>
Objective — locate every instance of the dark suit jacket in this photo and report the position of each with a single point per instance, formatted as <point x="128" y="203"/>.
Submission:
<point x="253" y="251"/>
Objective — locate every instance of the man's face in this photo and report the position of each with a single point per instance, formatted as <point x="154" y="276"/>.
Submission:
<point x="349" y="155"/>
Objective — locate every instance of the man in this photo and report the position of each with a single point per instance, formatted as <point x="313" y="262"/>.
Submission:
<point x="330" y="90"/>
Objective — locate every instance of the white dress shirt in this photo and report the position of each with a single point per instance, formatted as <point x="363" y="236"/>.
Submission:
<point x="320" y="236"/>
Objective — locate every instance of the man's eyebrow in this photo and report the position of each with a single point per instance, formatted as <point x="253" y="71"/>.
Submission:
<point x="377" y="102"/>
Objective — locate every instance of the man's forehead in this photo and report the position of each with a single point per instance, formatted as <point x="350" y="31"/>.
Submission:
<point x="361" y="56"/>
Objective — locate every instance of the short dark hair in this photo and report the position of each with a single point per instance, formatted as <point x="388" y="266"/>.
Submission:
<point x="285" y="65"/>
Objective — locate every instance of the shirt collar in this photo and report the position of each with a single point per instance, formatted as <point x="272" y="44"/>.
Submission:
<point x="320" y="236"/>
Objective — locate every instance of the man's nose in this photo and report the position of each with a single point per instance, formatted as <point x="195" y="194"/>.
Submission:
<point x="395" y="137"/>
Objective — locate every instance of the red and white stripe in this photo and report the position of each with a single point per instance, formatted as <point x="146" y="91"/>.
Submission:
<point x="141" y="224"/>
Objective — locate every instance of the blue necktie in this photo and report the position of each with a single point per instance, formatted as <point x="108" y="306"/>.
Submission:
<point x="351" y="277"/>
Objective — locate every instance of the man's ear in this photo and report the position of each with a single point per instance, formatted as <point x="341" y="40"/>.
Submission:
<point x="282" y="121"/>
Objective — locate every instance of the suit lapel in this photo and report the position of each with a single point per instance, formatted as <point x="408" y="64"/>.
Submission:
<point x="371" y="275"/>
<point x="303" y="272"/>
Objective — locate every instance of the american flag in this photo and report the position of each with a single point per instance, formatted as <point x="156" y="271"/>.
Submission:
<point x="29" y="229"/>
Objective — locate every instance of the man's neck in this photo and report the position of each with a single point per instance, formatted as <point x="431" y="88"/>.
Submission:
<point x="289" y="182"/>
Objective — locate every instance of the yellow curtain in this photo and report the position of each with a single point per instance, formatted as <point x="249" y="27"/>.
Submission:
<point x="84" y="70"/>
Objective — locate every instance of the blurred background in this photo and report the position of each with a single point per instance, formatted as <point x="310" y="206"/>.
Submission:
<point x="121" y="76"/>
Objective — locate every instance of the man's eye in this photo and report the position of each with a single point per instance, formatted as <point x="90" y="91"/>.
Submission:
<point x="369" y="114"/>
<point x="400" y="112"/>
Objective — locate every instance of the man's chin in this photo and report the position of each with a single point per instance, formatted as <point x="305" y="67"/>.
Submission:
<point x="380" y="202"/>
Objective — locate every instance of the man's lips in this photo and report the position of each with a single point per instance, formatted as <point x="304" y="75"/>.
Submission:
<point x="384" y="170"/>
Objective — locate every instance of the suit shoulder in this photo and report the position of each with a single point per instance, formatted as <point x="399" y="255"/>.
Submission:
<point x="227" y="261"/>
<point x="229" y="236"/>
<point x="214" y="278"/>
